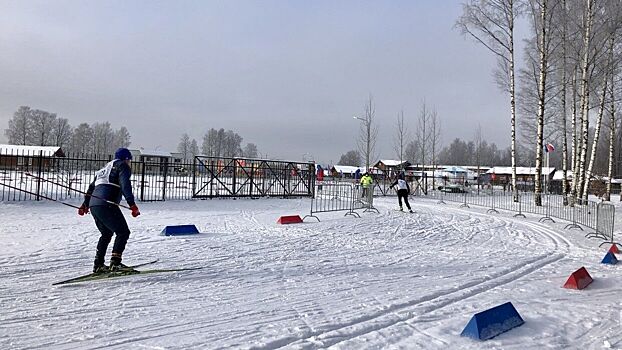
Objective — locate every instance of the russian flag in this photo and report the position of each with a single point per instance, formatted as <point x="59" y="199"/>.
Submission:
<point x="549" y="148"/>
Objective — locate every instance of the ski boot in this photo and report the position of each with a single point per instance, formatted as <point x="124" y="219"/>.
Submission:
<point x="117" y="266"/>
<point x="100" y="268"/>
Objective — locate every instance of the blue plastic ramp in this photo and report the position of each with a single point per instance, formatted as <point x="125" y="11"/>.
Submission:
<point x="178" y="230"/>
<point x="492" y="322"/>
<point x="610" y="258"/>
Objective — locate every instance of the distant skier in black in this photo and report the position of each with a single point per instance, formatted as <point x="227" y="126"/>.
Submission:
<point x="109" y="184"/>
<point x="402" y="191"/>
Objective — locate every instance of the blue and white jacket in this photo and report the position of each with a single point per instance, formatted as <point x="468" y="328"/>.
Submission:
<point x="109" y="184"/>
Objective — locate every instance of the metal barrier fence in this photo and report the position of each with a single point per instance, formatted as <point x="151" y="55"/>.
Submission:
<point x="364" y="198"/>
<point x="598" y="216"/>
<point x="36" y="175"/>
<point x="44" y="175"/>
<point x="333" y="196"/>
<point x="243" y="177"/>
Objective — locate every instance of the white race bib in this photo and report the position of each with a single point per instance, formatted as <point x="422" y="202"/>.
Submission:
<point x="401" y="184"/>
<point x="102" y="176"/>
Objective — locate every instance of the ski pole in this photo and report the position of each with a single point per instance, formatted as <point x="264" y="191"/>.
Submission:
<point x="76" y="190"/>
<point x="40" y="195"/>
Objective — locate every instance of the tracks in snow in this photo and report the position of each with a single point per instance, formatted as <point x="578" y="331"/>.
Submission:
<point x="416" y="309"/>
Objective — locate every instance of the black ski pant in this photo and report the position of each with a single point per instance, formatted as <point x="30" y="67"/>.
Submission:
<point x="403" y="194"/>
<point x="109" y="221"/>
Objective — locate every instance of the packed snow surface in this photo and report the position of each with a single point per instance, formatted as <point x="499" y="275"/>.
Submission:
<point x="387" y="280"/>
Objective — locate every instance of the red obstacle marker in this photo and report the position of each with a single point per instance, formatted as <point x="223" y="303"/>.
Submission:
<point x="289" y="219"/>
<point x="579" y="279"/>
<point x="614" y="249"/>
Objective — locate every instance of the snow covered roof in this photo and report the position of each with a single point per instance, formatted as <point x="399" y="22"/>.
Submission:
<point x="392" y="162"/>
<point x="153" y="153"/>
<point x="46" y="151"/>
<point x="613" y="181"/>
<point x="454" y="169"/>
<point x="506" y="170"/>
<point x="347" y="169"/>
<point x="559" y="175"/>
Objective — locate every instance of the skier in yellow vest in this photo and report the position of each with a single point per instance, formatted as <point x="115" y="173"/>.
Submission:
<point x="366" y="183"/>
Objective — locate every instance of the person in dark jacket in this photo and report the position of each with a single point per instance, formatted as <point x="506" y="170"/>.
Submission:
<point x="402" y="191"/>
<point x="102" y="199"/>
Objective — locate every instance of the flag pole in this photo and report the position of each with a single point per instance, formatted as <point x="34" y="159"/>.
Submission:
<point x="546" y="178"/>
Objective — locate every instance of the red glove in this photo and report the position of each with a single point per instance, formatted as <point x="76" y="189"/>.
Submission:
<point x="135" y="211"/>
<point x="83" y="210"/>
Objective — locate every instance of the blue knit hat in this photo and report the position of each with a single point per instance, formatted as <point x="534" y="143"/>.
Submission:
<point x="123" y="154"/>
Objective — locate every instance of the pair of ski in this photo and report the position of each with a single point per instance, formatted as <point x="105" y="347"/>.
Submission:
<point x="128" y="272"/>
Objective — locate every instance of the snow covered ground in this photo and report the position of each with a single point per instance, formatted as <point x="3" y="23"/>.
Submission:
<point x="385" y="281"/>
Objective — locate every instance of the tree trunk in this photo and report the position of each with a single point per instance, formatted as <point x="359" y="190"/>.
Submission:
<point x="512" y="99"/>
<point x="599" y="118"/>
<point x="575" y="141"/>
<point x="585" y="99"/>
<point x="612" y="128"/>
<point x="541" y="104"/>
<point x="564" y="108"/>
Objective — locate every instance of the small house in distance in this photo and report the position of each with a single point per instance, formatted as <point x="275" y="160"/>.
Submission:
<point x="18" y="157"/>
<point x="391" y="167"/>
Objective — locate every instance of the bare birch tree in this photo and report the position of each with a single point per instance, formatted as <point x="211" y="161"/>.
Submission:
<point x="422" y="134"/>
<point x="491" y="23"/>
<point x="194" y="148"/>
<point x="19" y="128"/>
<point x="543" y="23"/>
<point x="401" y="136"/>
<point x="82" y="139"/>
<point x="62" y="132"/>
<point x="102" y="138"/>
<point x="42" y="125"/>
<point x="411" y="152"/>
<point x="564" y="88"/>
<point x="435" y="142"/>
<point x="368" y="133"/>
<point x="122" y="138"/>
<point x="250" y="151"/>
<point x="579" y="181"/>
<point x="612" y="128"/>
<point x="184" y="147"/>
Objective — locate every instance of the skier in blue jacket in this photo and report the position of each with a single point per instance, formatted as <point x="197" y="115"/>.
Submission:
<point x="102" y="199"/>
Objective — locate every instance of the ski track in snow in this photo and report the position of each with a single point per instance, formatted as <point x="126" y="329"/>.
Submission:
<point x="412" y="310"/>
<point x="387" y="280"/>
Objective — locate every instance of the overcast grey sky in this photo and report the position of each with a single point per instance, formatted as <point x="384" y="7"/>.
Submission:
<point x="285" y="75"/>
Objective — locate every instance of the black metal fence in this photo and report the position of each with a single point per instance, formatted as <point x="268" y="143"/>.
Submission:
<point x="244" y="177"/>
<point x="35" y="175"/>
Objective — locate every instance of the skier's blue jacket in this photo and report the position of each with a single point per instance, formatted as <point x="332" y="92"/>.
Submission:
<point x="109" y="184"/>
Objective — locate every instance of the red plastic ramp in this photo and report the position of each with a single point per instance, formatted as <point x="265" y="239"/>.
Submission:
<point x="289" y="219"/>
<point x="578" y="279"/>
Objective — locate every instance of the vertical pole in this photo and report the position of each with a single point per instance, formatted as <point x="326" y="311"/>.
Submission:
<point x="194" y="176"/>
<point x="142" y="182"/>
<point x="39" y="171"/>
<point x="235" y="173"/>
<point x="164" y="183"/>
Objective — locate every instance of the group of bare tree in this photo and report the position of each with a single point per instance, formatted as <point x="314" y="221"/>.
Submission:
<point x="568" y="91"/>
<point x="422" y="147"/>
<point x="35" y="127"/>
<point x="216" y="143"/>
